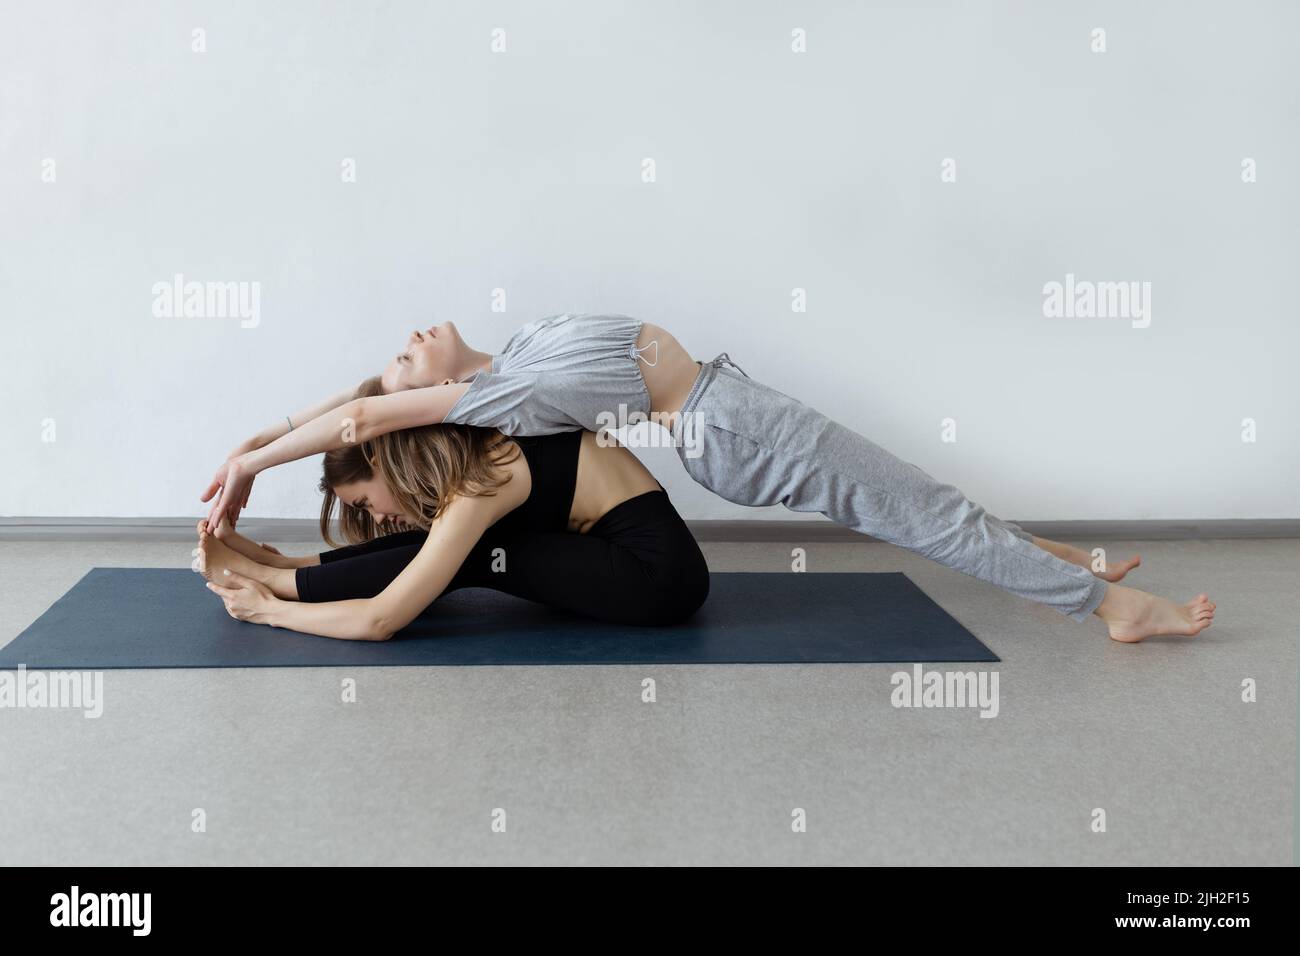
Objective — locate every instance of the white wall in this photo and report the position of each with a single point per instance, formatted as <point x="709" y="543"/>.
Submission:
<point x="776" y="170"/>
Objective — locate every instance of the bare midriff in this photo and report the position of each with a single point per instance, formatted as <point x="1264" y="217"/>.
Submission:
<point x="608" y="475"/>
<point x="670" y="378"/>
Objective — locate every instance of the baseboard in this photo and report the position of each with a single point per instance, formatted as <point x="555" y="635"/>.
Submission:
<point x="1154" y="530"/>
<point x="307" y="529"/>
<point x="149" y="529"/>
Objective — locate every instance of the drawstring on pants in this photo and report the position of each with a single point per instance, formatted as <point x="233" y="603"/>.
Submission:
<point x="725" y="359"/>
<point x="635" y="352"/>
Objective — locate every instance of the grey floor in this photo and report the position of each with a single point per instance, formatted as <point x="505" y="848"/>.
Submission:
<point x="1155" y="734"/>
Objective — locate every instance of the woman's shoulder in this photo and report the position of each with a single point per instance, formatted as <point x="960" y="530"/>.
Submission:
<point x="511" y="481"/>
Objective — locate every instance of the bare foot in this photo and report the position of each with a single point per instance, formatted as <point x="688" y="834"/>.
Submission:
<point x="261" y="553"/>
<point x="1068" y="552"/>
<point x="214" y="558"/>
<point x="1115" y="572"/>
<point x="1133" y="615"/>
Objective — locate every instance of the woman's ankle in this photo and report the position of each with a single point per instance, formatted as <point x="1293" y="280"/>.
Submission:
<point x="283" y="583"/>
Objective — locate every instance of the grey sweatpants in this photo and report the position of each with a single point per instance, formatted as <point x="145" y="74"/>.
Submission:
<point x="751" y="444"/>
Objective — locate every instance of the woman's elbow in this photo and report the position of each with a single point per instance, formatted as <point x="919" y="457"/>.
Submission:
<point x="357" y="417"/>
<point x="381" y="627"/>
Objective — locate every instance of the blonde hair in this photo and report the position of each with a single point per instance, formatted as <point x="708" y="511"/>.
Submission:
<point x="424" y="468"/>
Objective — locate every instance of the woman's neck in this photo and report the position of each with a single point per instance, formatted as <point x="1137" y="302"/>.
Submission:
<point x="475" y="361"/>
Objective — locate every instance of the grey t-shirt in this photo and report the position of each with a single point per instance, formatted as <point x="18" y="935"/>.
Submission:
<point x="558" y="374"/>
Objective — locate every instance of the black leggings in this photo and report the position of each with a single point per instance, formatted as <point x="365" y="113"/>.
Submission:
<point x="639" y="564"/>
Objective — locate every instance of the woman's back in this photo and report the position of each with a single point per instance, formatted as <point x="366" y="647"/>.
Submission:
<point x="575" y="481"/>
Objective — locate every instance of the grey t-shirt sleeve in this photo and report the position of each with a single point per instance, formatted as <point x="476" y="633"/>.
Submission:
<point x="506" y="401"/>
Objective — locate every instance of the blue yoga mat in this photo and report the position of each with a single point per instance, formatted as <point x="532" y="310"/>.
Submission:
<point x="162" y="617"/>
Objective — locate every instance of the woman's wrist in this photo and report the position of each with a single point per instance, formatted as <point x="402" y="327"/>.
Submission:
<point x="251" y="444"/>
<point x="272" y="612"/>
<point x="250" y="462"/>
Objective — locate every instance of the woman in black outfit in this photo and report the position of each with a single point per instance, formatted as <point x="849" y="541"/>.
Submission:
<point x="559" y="519"/>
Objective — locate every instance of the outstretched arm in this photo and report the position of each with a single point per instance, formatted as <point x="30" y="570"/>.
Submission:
<point x="357" y="420"/>
<point x="270" y="433"/>
<point x="273" y="431"/>
<point x="451" y="538"/>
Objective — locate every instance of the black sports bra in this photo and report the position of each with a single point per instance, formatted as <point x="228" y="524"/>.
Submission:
<point x="553" y="465"/>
